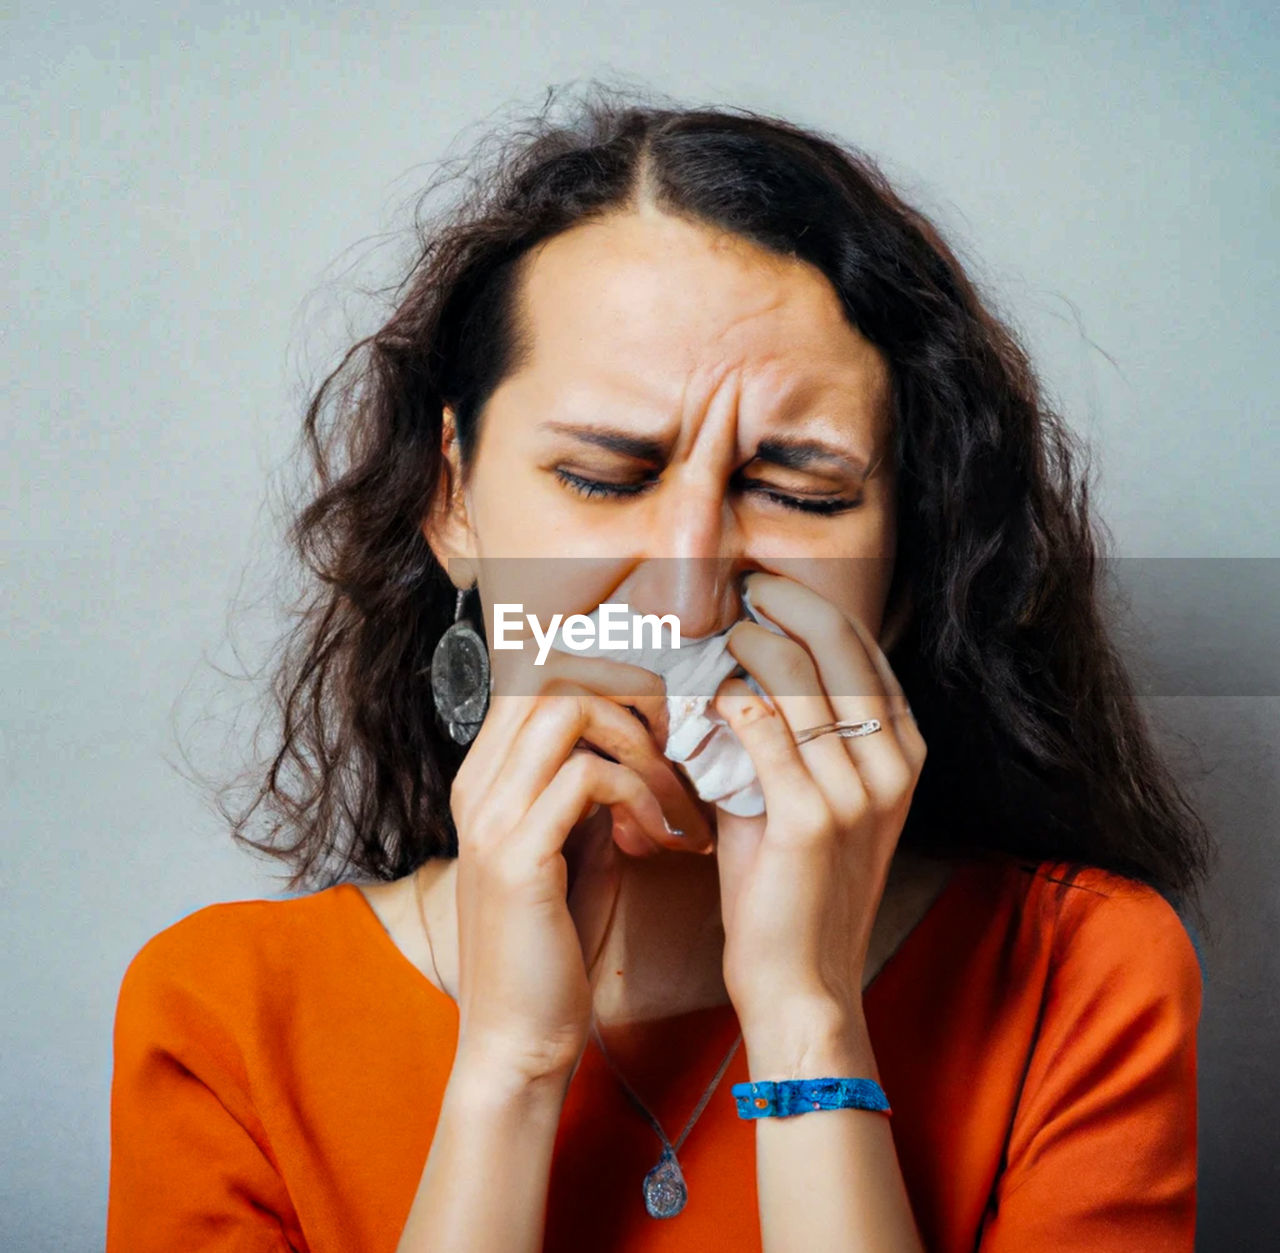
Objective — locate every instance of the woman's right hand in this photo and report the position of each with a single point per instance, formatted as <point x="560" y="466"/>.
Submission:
<point x="526" y="784"/>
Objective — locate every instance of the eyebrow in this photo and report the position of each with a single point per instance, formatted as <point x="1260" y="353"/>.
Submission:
<point x="790" y="454"/>
<point x="801" y="454"/>
<point x="613" y="440"/>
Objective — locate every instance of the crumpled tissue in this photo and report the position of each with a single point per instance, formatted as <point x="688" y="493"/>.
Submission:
<point x="722" y="772"/>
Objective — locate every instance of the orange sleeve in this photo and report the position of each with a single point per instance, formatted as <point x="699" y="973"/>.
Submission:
<point x="1102" y="1152"/>
<point x="190" y="1165"/>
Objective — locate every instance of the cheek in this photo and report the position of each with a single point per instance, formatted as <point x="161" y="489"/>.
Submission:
<point x="521" y="509"/>
<point x="850" y="566"/>
<point x="867" y="588"/>
<point x="512" y="513"/>
<point x="863" y="539"/>
<point x="535" y="551"/>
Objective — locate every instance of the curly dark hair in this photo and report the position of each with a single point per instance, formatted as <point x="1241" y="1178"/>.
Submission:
<point x="1038" y="747"/>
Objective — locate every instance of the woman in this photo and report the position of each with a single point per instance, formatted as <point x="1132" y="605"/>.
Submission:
<point x="708" y="362"/>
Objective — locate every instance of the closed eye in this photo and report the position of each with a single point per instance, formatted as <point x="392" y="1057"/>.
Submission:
<point x="597" y="488"/>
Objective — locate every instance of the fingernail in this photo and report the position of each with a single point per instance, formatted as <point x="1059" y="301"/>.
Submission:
<point x="670" y="829"/>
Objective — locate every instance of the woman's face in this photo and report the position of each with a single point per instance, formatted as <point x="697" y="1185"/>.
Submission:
<point x="693" y="407"/>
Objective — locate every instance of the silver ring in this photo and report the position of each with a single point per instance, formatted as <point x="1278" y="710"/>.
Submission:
<point x="845" y="730"/>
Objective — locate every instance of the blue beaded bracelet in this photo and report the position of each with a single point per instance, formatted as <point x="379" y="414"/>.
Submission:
<point x="769" y="1099"/>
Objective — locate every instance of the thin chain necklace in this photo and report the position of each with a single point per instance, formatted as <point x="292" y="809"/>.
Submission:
<point x="422" y="914"/>
<point x="665" y="1191"/>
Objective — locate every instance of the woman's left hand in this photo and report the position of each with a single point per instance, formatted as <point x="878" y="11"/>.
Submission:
<point x="800" y="886"/>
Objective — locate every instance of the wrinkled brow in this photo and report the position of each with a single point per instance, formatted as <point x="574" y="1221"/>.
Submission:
<point x="790" y="454"/>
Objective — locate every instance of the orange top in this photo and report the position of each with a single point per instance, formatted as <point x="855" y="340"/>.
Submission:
<point x="280" y="1064"/>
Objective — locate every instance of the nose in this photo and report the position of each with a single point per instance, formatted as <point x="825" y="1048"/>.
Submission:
<point x="703" y="592"/>
<point x="691" y="565"/>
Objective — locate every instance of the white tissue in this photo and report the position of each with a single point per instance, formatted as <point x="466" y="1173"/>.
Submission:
<point x="722" y="772"/>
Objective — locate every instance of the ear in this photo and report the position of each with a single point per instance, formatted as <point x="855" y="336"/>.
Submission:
<point x="447" y="526"/>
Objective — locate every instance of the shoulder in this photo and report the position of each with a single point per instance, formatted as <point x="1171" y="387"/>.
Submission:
<point x="1113" y="945"/>
<point x="217" y="939"/>
<point x="1100" y="915"/>
<point x="225" y="964"/>
<point x="1104" y="1128"/>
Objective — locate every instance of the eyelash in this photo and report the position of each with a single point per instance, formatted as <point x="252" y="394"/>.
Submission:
<point x="595" y="488"/>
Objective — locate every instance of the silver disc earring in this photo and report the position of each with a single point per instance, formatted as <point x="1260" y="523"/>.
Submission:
<point x="460" y="678"/>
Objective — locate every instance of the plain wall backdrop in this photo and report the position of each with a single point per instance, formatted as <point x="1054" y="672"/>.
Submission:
<point x="188" y="185"/>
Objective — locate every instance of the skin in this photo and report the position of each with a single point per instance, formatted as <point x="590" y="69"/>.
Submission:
<point x="713" y="352"/>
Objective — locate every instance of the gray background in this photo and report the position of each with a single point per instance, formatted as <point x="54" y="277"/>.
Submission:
<point x="186" y="185"/>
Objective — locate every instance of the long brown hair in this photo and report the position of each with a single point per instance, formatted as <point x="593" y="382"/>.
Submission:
<point x="1037" y="744"/>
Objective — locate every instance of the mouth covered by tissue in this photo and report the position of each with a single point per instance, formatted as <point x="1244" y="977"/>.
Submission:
<point x="721" y="771"/>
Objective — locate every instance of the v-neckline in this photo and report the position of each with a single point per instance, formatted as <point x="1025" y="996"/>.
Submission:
<point x="927" y="922"/>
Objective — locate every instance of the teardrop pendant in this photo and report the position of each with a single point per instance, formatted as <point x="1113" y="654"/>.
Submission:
<point x="664" y="1187"/>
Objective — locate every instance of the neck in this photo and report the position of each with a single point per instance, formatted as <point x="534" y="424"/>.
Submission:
<point x="659" y="951"/>
<point x="663" y="954"/>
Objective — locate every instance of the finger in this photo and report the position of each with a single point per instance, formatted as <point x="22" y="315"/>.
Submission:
<point x="584" y="779"/>
<point x="473" y="778"/>
<point x="798" y="812"/>
<point x="566" y="715"/>
<point x="902" y="720"/>
<point x="554" y="731"/>
<point x="628" y="685"/>
<point x="839" y="652"/>
<point x="787" y="673"/>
